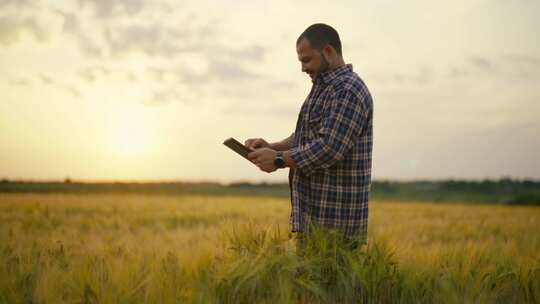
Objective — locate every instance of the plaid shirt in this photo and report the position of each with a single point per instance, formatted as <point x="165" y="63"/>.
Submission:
<point x="331" y="147"/>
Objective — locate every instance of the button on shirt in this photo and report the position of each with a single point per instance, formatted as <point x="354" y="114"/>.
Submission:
<point x="331" y="147"/>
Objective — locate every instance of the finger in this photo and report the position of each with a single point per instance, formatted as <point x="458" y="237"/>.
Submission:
<point x="248" y="142"/>
<point x="257" y="143"/>
<point x="253" y="155"/>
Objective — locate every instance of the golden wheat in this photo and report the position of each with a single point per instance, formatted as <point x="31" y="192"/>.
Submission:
<point x="167" y="249"/>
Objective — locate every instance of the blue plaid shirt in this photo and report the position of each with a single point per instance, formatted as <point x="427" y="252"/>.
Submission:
<point x="331" y="147"/>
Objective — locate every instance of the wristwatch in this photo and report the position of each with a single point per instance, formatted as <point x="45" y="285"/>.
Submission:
<point x="279" y="162"/>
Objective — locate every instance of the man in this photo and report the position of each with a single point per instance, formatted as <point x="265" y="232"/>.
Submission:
<point x="330" y="151"/>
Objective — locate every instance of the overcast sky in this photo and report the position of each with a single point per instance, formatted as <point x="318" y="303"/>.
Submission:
<point x="148" y="90"/>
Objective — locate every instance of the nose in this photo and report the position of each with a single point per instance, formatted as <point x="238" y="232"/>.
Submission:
<point x="303" y="69"/>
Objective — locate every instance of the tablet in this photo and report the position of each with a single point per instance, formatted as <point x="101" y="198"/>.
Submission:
<point x="237" y="147"/>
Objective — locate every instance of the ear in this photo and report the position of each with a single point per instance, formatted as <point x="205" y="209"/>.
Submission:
<point x="328" y="50"/>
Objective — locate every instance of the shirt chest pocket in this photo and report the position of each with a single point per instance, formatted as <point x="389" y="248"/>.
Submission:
<point x="314" y="123"/>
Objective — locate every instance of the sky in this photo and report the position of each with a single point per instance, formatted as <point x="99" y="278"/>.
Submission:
<point x="149" y="90"/>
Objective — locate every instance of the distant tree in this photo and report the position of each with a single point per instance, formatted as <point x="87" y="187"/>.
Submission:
<point x="67" y="180"/>
<point x="5" y="180"/>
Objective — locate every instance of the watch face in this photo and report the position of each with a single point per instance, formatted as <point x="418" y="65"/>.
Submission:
<point x="279" y="162"/>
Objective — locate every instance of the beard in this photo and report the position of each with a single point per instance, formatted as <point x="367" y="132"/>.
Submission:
<point x="324" y="64"/>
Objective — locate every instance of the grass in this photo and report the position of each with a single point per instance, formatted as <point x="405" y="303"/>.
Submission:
<point x="72" y="248"/>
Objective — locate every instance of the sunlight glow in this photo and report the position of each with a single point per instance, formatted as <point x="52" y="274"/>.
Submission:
<point x="129" y="131"/>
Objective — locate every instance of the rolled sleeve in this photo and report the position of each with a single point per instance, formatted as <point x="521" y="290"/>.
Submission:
<point x="342" y="123"/>
<point x="290" y="140"/>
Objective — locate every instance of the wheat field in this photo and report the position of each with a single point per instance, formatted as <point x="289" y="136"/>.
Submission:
<point x="74" y="248"/>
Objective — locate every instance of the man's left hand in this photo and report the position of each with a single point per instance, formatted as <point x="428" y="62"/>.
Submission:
<point x="264" y="159"/>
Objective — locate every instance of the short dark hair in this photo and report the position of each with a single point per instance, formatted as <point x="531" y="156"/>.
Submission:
<point x="319" y="35"/>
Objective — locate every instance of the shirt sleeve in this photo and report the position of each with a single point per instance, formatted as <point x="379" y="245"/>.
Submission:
<point x="342" y="123"/>
<point x="290" y="140"/>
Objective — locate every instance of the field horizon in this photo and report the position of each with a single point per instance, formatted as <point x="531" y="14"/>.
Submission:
<point x="497" y="191"/>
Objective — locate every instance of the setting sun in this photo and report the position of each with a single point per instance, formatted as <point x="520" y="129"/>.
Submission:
<point x="129" y="131"/>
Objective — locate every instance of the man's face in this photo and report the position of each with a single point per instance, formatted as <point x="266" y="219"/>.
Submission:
<point x="312" y="60"/>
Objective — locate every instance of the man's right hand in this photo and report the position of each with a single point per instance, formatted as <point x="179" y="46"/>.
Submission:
<point x="256" y="143"/>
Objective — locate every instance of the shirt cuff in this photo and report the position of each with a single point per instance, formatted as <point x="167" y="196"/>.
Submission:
<point x="302" y="162"/>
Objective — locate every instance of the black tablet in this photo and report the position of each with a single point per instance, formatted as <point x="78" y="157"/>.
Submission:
<point x="237" y="147"/>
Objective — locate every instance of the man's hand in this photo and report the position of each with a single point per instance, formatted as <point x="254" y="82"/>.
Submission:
<point x="264" y="159"/>
<point x="256" y="143"/>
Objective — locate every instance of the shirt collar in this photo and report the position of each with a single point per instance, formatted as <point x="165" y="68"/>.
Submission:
<point x="329" y="76"/>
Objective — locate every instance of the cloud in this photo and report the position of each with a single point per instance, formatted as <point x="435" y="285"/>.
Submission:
<point x="131" y="77"/>
<point x="75" y="92"/>
<point x="151" y="40"/>
<point x="481" y="63"/>
<point x="164" y="96"/>
<point x="73" y="27"/>
<point x="12" y="27"/>
<point x="119" y="37"/>
<point x="283" y="85"/>
<point x="253" y="53"/>
<point x="521" y="67"/>
<point x="211" y="65"/>
<point x="229" y="70"/>
<point x="457" y="72"/>
<point x="46" y="80"/>
<point x="511" y="67"/>
<point x="22" y="82"/>
<point x="111" y="8"/>
<point x="177" y="49"/>
<point x="92" y="73"/>
<point x="157" y="73"/>
<point x="285" y="109"/>
<point x="523" y="59"/>
<point x="219" y="71"/>
<point x="14" y="3"/>
<point x="87" y="75"/>
<point x="422" y="76"/>
<point x="125" y="31"/>
<point x="19" y="19"/>
<point x="37" y="20"/>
